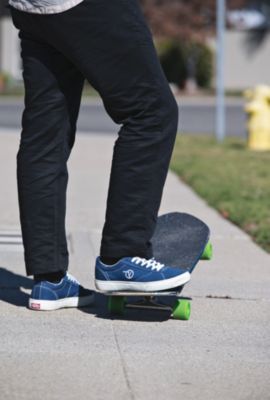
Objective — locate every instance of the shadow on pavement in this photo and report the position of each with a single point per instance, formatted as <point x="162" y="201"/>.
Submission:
<point x="11" y="291"/>
<point x="100" y="310"/>
<point x="11" y="285"/>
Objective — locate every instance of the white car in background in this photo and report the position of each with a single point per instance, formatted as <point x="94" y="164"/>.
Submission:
<point x="246" y="19"/>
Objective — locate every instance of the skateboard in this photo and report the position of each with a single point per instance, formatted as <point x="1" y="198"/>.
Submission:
<point x="181" y="241"/>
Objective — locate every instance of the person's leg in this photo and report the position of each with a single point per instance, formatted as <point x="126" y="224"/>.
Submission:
<point x="111" y="45"/>
<point x="52" y="97"/>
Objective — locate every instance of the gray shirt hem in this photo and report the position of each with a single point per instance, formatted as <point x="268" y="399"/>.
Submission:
<point x="55" y="9"/>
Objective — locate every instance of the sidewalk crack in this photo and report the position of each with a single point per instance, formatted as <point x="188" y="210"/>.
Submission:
<point x="123" y="364"/>
<point x="226" y="297"/>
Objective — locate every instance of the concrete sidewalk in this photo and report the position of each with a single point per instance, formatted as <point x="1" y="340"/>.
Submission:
<point x="223" y="352"/>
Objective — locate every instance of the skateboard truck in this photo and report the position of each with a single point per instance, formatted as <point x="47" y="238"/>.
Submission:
<point x="119" y="301"/>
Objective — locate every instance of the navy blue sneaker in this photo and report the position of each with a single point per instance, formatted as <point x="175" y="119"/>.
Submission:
<point x="138" y="275"/>
<point x="46" y="296"/>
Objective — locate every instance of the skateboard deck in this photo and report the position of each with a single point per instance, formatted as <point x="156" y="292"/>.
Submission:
<point x="180" y="240"/>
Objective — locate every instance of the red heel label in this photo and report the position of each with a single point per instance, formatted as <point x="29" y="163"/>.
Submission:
<point x="35" y="306"/>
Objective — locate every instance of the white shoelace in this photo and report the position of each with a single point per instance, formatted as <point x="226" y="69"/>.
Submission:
<point x="152" y="263"/>
<point x="72" y="279"/>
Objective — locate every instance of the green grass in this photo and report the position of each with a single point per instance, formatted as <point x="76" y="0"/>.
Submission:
<point x="232" y="179"/>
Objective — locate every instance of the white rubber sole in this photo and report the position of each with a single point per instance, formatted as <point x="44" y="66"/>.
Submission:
<point x="111" y="286"/>
<point x="69" y="302"/>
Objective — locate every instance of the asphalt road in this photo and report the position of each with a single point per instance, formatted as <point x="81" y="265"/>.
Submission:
<point x="197" y="115"/>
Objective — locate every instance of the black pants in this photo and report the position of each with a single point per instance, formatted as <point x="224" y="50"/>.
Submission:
<point x="109" y="44"/>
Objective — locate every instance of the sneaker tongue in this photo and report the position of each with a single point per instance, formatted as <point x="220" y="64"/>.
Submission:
<point x="72" y="279"/>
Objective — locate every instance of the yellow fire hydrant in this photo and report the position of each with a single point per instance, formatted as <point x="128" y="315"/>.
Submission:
<point x="258" y="110"/>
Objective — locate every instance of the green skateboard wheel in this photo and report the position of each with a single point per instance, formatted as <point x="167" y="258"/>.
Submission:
<point x="182" y="310"/>
<point x="116" y="305"/>
<point x="208" y="252"/>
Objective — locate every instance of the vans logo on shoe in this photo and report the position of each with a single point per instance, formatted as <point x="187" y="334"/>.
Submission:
<point x="129" y="274"/>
